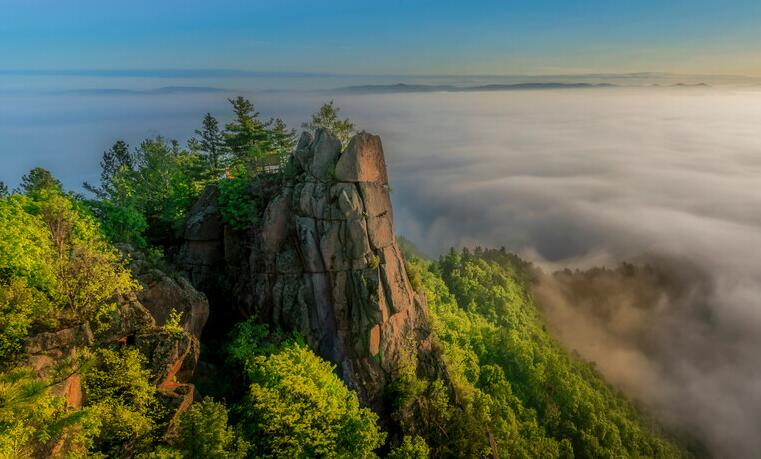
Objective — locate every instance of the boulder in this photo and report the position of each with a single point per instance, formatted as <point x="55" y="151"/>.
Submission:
<point x="363" y="161"/>
<point x="172" y="357"/>
<point x="204" y="222"/>
<point x="325" y="150"/>
<point x="161" y="294"/>
<point x="303" y="153"/>
<point x="61" y="340"/>
<point x="128" y="318"/>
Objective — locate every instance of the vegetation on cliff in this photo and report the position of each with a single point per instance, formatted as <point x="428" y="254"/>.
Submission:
<point x="503" y="385"/>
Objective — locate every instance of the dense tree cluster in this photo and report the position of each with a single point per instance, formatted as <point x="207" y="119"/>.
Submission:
<point x="510" y="375"/>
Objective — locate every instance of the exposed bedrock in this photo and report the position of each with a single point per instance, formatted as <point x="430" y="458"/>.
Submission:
<point x="137" y="319"/>
<point x="324" y="261"/>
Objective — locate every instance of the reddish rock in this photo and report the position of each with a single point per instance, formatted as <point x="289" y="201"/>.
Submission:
<point x="339" y="278"/>
<point x="363" y="160"/>
<point x="162" y="294"/>
<point x="172" y="357"/>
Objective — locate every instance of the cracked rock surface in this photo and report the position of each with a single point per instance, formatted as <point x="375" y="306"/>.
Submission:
<point x="324" y="262"/>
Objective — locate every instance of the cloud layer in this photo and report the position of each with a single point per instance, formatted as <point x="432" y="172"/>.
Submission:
<point x="584" y="178"/>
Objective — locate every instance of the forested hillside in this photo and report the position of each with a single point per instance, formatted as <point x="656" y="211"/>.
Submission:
<point x="105" y="351"/>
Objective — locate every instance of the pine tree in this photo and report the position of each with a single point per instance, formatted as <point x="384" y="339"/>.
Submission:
<point x="247" y="136"/>
<point x="116" y="160"/>
<point x="212" y="143"/>
<point x="3" y="189"/>
<point x="39" y="179"/>
<point x="283" y="140"/>
<point x="327" y="118"/>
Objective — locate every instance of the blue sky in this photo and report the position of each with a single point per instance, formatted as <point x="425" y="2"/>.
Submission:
<point x="390" y="37"/>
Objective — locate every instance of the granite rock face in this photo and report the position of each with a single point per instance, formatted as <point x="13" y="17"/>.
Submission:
<point x="203" y="250"/>
<point x="161" y="294"/>
<point x="136" y="320"/>
<point x="324" y="262"/>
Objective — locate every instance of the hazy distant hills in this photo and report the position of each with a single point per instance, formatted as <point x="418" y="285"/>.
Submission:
<point x="156" y="91"/>
<point x="402" y="87"/>
<point x="410" y="88"/>
<point x="395" y="88"/>
<point x="371" y="88"/>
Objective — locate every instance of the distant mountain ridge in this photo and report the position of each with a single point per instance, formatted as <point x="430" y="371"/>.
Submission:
<point x="156" y="91"/>
<point x="405" y="88"/>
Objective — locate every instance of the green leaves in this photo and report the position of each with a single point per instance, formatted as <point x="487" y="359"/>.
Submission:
<point x="203" y="433"/>
<point x="54" y="264"/>
<point x="119" y="392"/>
<point x="540" y="401"/>
<point x="412" y="447"/>
<point x="32" y="421"/>
<point x="236" y="202"/>
<point x="297" y="406"/>
<point x="173" y="324"/>
<point x="327" y="118"/>
<point x="26" y="248"/>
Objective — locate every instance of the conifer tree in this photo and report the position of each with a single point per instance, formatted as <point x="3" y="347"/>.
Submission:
<point x="116" y="160"/>
<point x="212" y="143"/>
<point x="39" y="179"/>
<point x="246" y="136"/>
<point x="327" y="118"/>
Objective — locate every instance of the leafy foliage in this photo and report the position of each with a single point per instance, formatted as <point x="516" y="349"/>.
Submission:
<point x="173" y="323"/>
<point x="258" y="145"/>
<point x="537" y="400"/>
<point x="212" y="144"/>
<point x="236" y="203"/>
<point x="328" y="118"/>
<point x="411" y="448"/>
<point x="54" y="264"/>
<point x="204" y="433"/>
<point x="32" y="421"/>
<point x="21" y="308"/>
<point x="39" y="180"/>
<point x="296" y="405"/>
<point x="143" y="196"/>
<point x="118" y="390"/>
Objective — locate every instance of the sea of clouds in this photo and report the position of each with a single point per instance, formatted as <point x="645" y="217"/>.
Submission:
<point x="577" y="178"/>
<point x="585" y="178"/>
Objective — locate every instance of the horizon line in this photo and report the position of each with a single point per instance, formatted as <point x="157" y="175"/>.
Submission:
<point x="243" y="73"/>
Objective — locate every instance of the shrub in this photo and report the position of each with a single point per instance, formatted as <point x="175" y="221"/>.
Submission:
<point x="203" y="433"/>
<point x="237" y="206"/>
<point x="411" y="448"/>
<point x="173" y="324"/>
<point x="297" y="407"/>
<point x="119" y="390"/>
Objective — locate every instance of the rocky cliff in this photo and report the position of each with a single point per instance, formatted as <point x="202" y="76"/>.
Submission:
<point x="136" y="320"/>
<point x="322" y="261"/>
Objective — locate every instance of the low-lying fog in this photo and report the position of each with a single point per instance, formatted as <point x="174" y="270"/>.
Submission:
<point x="566" y="178"/>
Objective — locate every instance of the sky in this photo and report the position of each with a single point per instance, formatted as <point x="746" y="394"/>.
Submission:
<point x="390" y="37"/>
